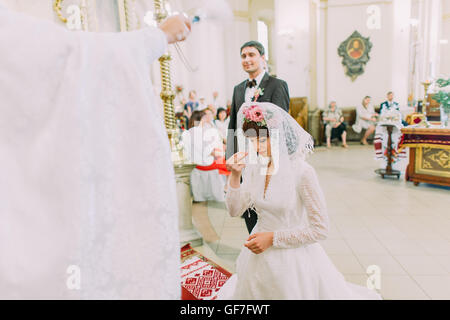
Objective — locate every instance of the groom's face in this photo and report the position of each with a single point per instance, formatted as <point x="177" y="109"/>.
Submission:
<point x="251" y="59"/>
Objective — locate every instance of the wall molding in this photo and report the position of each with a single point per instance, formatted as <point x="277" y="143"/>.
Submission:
<point x="241" y="15"/>
<point x="326" y="4"/>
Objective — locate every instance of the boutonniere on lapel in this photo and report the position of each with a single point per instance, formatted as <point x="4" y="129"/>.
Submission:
<point x="258" y="93"/>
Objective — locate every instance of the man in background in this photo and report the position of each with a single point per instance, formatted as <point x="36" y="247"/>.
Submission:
<point x="389" y="105"/>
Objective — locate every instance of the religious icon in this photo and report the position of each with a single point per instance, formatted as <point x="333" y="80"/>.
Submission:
<point x="355" y="53"/>
<point x="355" y="49"/>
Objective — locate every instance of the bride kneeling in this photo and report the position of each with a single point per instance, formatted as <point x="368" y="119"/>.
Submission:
<point x="282" y="258"/>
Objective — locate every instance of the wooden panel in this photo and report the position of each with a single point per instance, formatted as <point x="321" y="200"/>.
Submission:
<point x="298" y="108"/>
<point x="417" y="175"/>
<point x="429" y="155"/>
<point x="427" y="131"/>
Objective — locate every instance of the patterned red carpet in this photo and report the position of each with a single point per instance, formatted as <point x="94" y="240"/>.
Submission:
<point x="201" y="278"/>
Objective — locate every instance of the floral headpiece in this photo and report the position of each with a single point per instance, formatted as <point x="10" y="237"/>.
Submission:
<point x="261" y="116"/>
<point x="254" y="113"/>
<point x="279" y="123"/>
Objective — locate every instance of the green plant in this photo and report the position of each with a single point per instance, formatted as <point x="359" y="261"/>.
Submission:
<point x="442" y="96"/>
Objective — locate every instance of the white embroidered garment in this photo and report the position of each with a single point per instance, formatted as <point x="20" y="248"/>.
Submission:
<point x="199" y="143"/>
<point x="294" y="208"/>
<point x="88" y="198"/>
<point x="380" y="143"/>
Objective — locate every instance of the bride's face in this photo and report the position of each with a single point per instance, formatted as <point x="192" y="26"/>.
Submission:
<point x="261" y="145"/>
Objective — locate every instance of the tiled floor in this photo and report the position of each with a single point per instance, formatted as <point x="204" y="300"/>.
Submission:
<point x="403" y="229"/>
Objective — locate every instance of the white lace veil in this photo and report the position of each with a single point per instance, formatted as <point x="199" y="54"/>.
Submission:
<point x="290" y="144"/>
<point x="294" y="141"/>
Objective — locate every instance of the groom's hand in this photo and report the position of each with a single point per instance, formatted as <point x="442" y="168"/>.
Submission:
<point x="259" y="242"/>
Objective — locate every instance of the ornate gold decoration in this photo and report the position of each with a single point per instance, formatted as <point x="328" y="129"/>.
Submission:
<point x="168" y="95"/>
<point x="410" y="118"/>
<point x="131" y="20"/>
<point x="57" y="6"/>
<point x="426" y="85"/>
<point x="441" y="158"/>
<point x="427" y="131"/>
<point x="433" y="161"/>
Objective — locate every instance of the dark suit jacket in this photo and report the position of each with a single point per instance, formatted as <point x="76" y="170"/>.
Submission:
<point x="385" y="105"/>
<point x="276" y="91"/>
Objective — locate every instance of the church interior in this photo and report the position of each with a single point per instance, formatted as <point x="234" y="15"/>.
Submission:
<point x="387" y="193"/>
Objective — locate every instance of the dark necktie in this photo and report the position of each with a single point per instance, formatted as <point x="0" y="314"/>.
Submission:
<point x="251" y="84"/>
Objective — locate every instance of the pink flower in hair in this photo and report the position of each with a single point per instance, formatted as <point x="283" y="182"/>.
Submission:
<point x="254" y="113"/>
<point x="246" y="113"/>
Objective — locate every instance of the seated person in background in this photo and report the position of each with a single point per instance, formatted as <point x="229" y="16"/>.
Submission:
<point x="222" y="122"/>
<point x="215" y="102"/>
<point x="209" y="118"/>
<point x="213" y="110"/>
<point x="389" y="105"/>
<point x="204" y="147"/>
<point x="191" y="105"/>
<point x="334" y="125"/>
<point x="366" y="118"/>
<point x="181" y="115"/>
<point x="202" y="104"/>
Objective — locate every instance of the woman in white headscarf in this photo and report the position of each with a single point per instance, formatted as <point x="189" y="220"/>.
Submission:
<point x="282" y="258"/>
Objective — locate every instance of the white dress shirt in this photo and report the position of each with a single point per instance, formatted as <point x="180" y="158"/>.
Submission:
<point x="250" y="92"/>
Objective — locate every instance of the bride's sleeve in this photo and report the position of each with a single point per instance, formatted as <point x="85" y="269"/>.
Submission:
<point x="314" y="203"/>
<point x="237" y="200"/>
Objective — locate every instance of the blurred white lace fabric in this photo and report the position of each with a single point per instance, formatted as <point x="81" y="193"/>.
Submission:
<point x="86" y="176"/>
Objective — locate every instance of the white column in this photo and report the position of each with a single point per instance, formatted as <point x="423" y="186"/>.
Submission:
<point x="434" y="37"/>
<point x="445" y="46"/>
<point x="400" y="49"/>
<point x="322" y="52"/>
<point x="188" y="233"/>
<point x="292" y="45"/>
<point x="428" y="47"/>
<point x="235" y="36"/>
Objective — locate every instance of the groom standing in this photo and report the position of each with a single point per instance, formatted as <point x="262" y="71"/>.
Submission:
<point x="260" y="87"/>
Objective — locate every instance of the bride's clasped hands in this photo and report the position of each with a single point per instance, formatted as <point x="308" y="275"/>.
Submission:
<point x="259" y="242"/>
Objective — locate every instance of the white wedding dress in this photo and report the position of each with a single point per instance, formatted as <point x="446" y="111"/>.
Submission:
<point x="296" y="266"/>
<point x="88" y="206"/>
